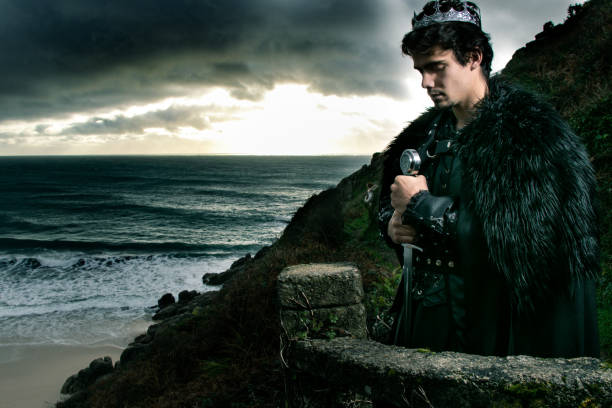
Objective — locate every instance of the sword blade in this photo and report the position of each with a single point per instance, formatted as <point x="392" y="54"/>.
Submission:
<point x="406" y="311"/>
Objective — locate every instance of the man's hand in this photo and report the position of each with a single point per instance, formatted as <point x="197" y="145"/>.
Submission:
<point x="400" y="234"/>
<point x="403" y="188"/>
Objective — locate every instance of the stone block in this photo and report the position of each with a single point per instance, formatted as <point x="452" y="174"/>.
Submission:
<point x="307" y="286"/>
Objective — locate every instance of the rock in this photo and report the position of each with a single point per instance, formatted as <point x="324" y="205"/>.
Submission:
<point x="87" y="376"/>
<point x="71" y="385"/>
<point x="241" y="261"/>
<point x="186" y="295"/>
<point x="186" y="304"/>
<point x="134" y="352"/>
<point x="32" y="263"/>
<point x="153" y="329"/>
<point x="168" y="311"/>
<point x="319" y="285"/>
<point x="205" y="299"/>
<point x="215" y="279"/>
<point x="76" y="400"/>
<point x="100" y="367"/>
<point x="166" y="300"/>
<point x="142" y="339"/>
<point x="262" y="252"/>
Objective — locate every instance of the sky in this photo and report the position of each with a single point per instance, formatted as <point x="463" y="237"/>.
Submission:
<point x="221" y="77"/>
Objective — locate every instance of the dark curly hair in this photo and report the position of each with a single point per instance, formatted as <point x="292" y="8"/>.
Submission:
<point x="462" y="38"/>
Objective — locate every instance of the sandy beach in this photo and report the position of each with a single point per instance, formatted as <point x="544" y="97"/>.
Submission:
<point x="32" y="376"/>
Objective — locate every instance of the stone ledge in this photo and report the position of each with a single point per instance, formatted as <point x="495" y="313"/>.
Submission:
<point x="311" y="286"/>
<point x="408" y="377"/>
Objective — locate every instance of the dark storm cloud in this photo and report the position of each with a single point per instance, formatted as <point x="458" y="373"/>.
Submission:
<point x="62" y="56"/>
<point x="65" y="55"/>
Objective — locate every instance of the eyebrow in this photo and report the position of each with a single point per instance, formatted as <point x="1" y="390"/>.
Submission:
<point x="429" y="65"/>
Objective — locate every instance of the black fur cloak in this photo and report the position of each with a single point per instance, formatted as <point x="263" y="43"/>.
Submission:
<point x="530" y="202"/>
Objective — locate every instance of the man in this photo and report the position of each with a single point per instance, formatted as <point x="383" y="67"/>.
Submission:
<point x="501" y="212"/>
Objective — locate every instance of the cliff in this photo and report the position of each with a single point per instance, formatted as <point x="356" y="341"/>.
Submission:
<point x="222" y="348"/>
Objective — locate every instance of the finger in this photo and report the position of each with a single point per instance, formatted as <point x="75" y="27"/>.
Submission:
<point x="405" y="227"/>
<point x="405" y="240"/>
<point x="405" y="233"/>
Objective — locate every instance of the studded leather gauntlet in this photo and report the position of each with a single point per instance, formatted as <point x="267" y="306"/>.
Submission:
<point x="435" y="218"/>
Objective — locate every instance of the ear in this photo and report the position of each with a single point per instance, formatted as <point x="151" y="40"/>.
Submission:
<point x="475" y="58"/>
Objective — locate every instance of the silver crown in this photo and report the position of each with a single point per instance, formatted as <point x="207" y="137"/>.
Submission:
<point x="459" y="11"/>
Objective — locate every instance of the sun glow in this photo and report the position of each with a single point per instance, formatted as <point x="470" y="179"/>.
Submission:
<point x="293" y="120"/>
<point x="289" y="119"/>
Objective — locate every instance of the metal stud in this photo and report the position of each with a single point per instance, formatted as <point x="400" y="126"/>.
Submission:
<point x="438" y="262"/>
<point x="451" y="264"/>
<point x="428" y="261"/>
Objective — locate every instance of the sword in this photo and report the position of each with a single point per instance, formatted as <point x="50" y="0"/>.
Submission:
<point x="410" y="163"/>
<point x="406" y="311"/>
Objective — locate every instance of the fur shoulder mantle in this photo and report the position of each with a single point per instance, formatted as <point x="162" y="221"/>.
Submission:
<point x="533" y="189"/>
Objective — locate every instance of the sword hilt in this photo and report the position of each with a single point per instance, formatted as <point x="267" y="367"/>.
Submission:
<point x="412" y="246"/>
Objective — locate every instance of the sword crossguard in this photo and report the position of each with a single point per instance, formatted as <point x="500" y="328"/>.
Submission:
<point x="411" y="246"/>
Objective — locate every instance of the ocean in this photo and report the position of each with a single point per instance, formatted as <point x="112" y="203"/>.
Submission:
<point x="88" y="244"/>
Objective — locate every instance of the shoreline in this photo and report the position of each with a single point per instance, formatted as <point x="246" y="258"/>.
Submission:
<point x="31" y="376"/>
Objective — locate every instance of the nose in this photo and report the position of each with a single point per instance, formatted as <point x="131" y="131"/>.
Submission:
<point x="427" y="81"/>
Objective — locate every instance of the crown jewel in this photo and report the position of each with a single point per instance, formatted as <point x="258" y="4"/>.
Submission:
<point x="442" y="11"/>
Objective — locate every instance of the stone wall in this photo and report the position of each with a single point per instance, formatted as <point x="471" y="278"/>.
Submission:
<point x="343" y="368"/>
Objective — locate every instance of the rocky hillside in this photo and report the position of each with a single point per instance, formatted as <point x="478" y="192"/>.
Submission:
<point x="221" y="349"/>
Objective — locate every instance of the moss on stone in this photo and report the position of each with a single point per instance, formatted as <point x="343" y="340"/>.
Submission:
<point x="606" y="364"/>
<point x="589" y="403"/>
<point x="529" y="389"/>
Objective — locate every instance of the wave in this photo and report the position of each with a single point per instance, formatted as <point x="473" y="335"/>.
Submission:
<point x="112" y="326"/>
<point x="166" y="181"/>
<point x="9" y="224"/>
<point x="226" y="209"/>
<point x="9" y="244"/>
<point x="77" y="197"/>
<point x="29" y="187"/>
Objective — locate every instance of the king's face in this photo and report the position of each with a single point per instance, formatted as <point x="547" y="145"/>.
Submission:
<point x="448" y="83"/>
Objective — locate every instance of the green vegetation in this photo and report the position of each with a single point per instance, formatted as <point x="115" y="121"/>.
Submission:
<point x="317" y="328"/>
